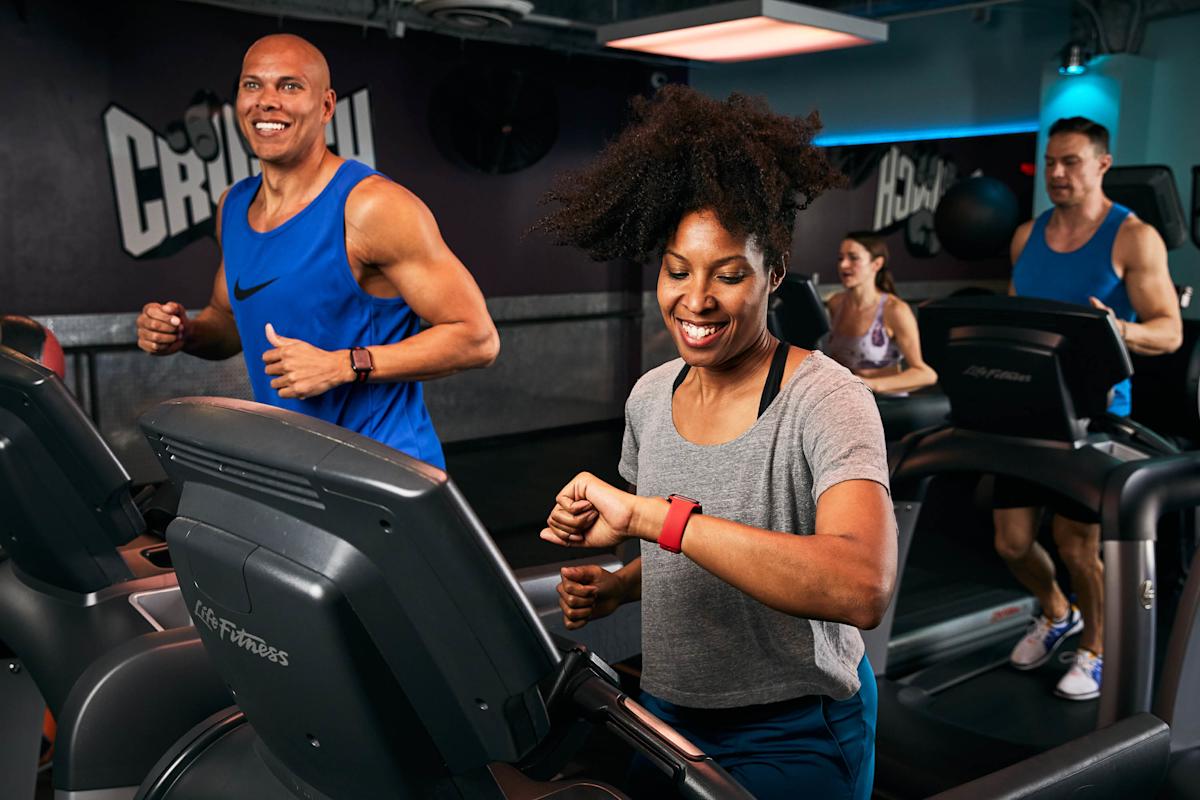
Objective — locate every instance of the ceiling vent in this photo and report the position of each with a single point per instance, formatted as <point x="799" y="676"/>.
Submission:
<point x="475" y="14"/>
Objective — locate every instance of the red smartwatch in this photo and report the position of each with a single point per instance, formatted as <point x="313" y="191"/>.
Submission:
<point x="681" y="510"/>
<point x="362" y="363"/>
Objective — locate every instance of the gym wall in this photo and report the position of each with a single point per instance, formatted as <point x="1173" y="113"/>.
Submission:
<point x="1174" y="130"/>
<point x="111" y="173"/>
<point x="894" y="189"/>
<point x="942" y="72"/>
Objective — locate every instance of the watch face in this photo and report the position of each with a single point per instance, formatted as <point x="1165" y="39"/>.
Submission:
<point x="685" y="499"/>
<point x="360" y="360"/>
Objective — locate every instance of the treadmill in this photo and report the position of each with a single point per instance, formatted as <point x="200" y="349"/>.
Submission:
<point x="1027" y="381"/>
<point x="375" y="641"/>
<point x="92" y="624"/>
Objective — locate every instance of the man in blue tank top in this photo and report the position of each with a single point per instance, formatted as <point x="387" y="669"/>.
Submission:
<point x="327" y="270"/>
<point x="1085" y="250"/>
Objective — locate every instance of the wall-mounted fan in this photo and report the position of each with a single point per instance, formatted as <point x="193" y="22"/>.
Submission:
<point x="475" y="14"/>
<point x="494" y="119"/>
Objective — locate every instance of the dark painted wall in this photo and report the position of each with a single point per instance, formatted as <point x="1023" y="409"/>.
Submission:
<point x="61" y="248"/>
<point x="894" y="189"/>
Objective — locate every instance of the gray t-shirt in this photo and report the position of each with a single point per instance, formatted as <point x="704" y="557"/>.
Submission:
<point x="706" y="644"/>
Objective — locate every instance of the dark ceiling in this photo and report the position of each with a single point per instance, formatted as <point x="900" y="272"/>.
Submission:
<point x="1103" y="25"/>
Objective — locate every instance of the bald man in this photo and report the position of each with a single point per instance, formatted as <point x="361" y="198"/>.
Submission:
<point x="327" y="269"/>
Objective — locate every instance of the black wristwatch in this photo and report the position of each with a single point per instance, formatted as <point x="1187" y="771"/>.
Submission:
<point x="362" y="363"/>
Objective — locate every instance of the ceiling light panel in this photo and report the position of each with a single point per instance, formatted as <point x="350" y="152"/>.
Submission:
<point x="743" y="31"/>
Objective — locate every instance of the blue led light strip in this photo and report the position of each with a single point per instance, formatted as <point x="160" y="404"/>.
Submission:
<point x="878" y="137"/>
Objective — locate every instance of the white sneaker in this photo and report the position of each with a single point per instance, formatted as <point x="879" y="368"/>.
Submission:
<point x="1082" y="681"/>
<point x="1044" y="637"/>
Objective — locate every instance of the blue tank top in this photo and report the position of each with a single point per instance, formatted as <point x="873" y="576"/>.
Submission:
<point x="1075" y="276"/>
<point x="297" y="277"/>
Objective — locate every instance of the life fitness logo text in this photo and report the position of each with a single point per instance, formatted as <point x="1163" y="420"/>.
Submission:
<point x="238" y="636"/>
<point x="167" y="186"/>
<point x="996" y="374"/>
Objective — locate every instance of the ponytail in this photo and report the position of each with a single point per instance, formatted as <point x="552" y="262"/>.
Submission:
<point x="883" y="280"/>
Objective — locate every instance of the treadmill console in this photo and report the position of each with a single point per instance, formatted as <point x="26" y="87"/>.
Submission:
<point x="796" y="313"/>
<point x="65" y="505"/>
<point x="1149" y="191"/>
<point x="1018" y="366"/>
<point x="372" y="633"/>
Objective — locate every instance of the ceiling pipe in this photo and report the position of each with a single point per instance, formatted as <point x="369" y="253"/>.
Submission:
<point x="947" y="9"/>
<point x="519" y="35"/>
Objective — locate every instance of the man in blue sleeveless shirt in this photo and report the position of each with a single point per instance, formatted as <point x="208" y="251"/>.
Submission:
<point x="1086" y="250"/>
<point x="327" y="270"/>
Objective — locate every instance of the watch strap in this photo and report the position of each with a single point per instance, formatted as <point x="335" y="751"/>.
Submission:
<point x="362" y="363"/>
<point x="680" y="511"/>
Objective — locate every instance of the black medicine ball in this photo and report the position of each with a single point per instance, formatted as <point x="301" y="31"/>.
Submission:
<point x="976" y="218"/>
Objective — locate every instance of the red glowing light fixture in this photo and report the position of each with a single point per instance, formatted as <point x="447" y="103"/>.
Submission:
<point x="743" y="31"/>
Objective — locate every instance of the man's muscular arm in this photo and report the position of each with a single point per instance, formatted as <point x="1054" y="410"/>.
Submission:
<point x="1016" y="247"/>
<point x="390" y="229"/>
<point x="1019" y="240"/>
<point x="213" y="334"/>
<point x="1140" y="250"/>
<point x="164" y="328"/>
<point x="396" y="250"/>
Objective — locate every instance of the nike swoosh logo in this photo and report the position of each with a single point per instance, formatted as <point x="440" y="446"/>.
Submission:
<point x="245" y="294"/>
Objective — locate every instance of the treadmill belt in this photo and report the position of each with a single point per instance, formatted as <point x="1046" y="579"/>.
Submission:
<point x="1016" y="706"/>
<point x="940" y="618"/>
<point x="929" y="599"/>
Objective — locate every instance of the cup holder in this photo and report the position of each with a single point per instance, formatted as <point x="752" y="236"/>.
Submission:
<point x="162" y="608"/>
<point x="158" y="555"/>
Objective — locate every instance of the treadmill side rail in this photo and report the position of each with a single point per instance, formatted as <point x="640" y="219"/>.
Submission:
<point x="875" y="640"/>
<point x="1130" y="604"/>
<point x="1136" y="495"/>
<point x="1127" y="759"/>
<point x="696" y="776"/>
<point x="21" y="712"/>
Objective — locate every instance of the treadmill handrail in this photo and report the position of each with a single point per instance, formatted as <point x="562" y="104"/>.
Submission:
<point x="1176" y="689"/>
<point x="65" y="497"/>
<point x="950" y="449"/>
<point x="1136" y="494"/>
<point x="1119" y="758"/>
<point x="696" y="775"/>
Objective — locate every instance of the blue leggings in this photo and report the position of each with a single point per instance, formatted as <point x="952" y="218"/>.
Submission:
<point x="815" y="746"/>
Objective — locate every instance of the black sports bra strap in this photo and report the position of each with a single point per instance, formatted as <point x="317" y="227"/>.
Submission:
<point x="774" y="377"/>
<point x="679" y="378"/>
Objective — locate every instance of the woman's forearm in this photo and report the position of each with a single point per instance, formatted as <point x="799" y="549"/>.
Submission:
<point x="843" y="573"/>
<point x="630" y="578"/>
<point x="910" y="379"/>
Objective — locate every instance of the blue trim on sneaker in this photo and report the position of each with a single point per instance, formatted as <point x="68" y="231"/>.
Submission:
<point x="1060" y="631"/>
<point x="1095" y="673"/>
<point x="1055" y="636"/>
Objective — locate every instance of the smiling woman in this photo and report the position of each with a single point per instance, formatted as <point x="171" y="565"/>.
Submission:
<point x="777" y="540"/>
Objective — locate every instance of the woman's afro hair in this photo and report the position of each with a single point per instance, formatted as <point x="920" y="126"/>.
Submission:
<point x="684" y="151"/>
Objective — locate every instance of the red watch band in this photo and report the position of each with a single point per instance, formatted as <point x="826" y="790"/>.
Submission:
<point x="681" y="510"/>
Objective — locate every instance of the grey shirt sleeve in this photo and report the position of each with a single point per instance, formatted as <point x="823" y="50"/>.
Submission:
<point x="628" y="467"/>
<point x="842" y="439"/>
